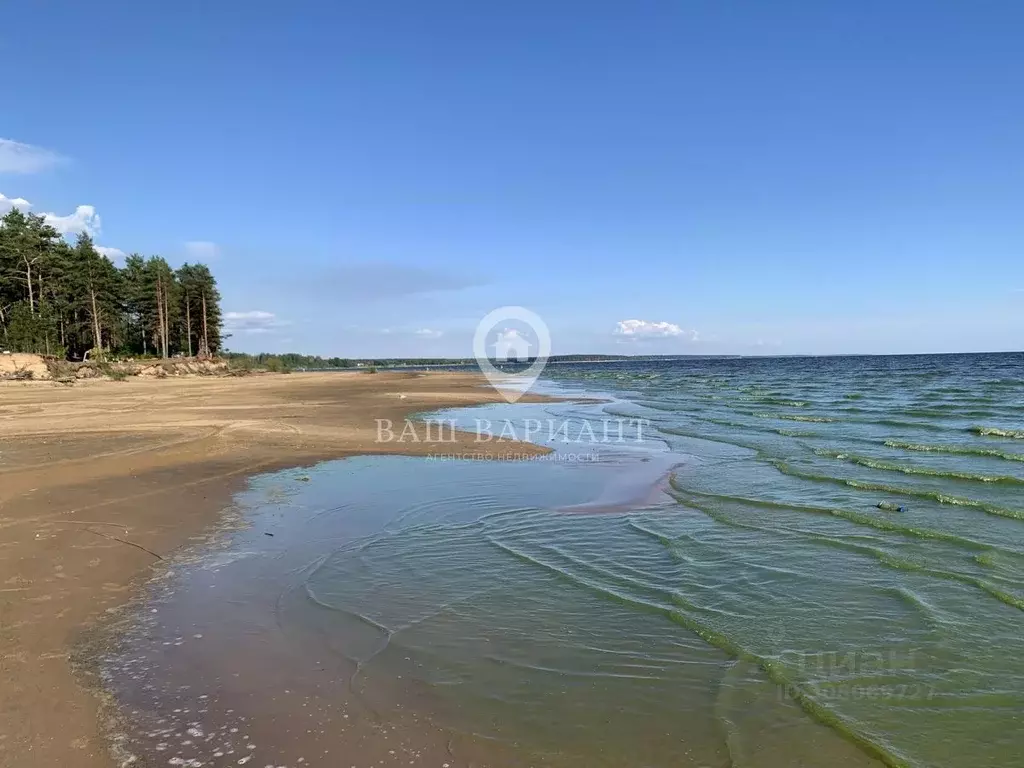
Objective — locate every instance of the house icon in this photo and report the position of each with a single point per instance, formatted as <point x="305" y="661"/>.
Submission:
<point x="510" y="346"/>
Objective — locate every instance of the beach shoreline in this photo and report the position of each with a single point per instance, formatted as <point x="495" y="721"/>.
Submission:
<point x="103" y="480"/>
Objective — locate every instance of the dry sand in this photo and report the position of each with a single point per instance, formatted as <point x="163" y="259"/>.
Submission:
<point x="101" y="480"/>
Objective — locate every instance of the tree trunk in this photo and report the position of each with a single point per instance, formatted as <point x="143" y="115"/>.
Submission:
<point x="97" y="335"/>
<point x="160" y="317"/>
<point x="167" y="325"/>
<point x="188" y="324"/>
<point x="205" y="351"/>
<point x="28" y="281"/>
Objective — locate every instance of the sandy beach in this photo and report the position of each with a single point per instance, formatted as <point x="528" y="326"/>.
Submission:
<point x="100" y="481"/>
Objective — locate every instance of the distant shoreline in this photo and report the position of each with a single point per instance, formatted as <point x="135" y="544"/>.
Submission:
<point x="400" y="364"/>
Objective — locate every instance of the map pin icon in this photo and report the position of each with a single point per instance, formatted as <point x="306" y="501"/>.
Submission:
<point x="510" y="343"/>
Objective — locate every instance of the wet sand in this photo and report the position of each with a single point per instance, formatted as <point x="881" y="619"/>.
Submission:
<point x="101" y="481"/>
<point x="217" y="664"/>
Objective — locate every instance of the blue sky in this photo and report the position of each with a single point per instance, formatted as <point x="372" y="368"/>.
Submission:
<point x="371" y="178"/>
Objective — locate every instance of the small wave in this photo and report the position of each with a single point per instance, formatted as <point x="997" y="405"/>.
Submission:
<point x="963" y="450"/>
<point x="945" y="412"/>
<point x="757" y="428"/>
<point x="885" y="558"/>
<point x="697" y="435"/>
<point x="935" y="496"/>
<point x="1002" y="383"/>
<point x="625" y="414"/>
<point x="866" y="461"/>
<point x="902" y="424"/>
<point x="795" y="417"/>
<point x="682" y="614"/>
<point x="779" y="401"/>
<point x="727" y="423"/>
<point x="911" y="598"/>
<point x="604" y="590"/>
<point x="658" y="405"/>
<point x="878" y="523"/>
<point x="1013" y="434"/>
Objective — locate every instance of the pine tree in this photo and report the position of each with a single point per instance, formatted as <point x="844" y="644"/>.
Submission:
<point x="28" y="249"/>
<point x="212" y="320"/>
<point x="59" y="299"/>
<point x="137" y="307"/>
<point x="97" y="281"/>
<point x="190" y="294"/>
<point x="163" y="288"/>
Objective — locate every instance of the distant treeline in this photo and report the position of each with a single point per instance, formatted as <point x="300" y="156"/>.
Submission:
<point x="294" y="361"/>
<point x="285" y="362"/>
<point x="582" y="358"/>
<point x="291" y="361"/>
<point x="67" y="300"/>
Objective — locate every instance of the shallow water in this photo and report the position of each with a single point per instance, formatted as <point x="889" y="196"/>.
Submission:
<point x="757" y="610"/>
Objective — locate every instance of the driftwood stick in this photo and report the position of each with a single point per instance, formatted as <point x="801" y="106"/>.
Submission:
<point x="125" y="541"/>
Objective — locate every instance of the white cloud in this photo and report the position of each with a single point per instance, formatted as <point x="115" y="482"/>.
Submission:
<point x="6" y="203"/>
<point x="646" y="329"/>
<point x="201" y="250"/>
<point x="84" y="219"/>
<point x="114" y="254"/>
<point x="16" y="157"/>
<point x="254" y="321"/>
<point x="429" y="333"/>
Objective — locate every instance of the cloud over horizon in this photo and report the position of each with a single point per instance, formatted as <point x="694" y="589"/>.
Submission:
<point x="631" y="330"/>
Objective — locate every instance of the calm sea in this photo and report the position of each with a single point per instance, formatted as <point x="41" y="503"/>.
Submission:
<point x="801" y="561"/>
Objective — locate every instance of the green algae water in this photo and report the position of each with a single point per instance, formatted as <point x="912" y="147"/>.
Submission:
<point x="800" y="562"/>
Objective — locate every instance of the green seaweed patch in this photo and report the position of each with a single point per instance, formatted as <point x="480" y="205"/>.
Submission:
<point x="1013" y="434"/>
<point x="960" y="450"/>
